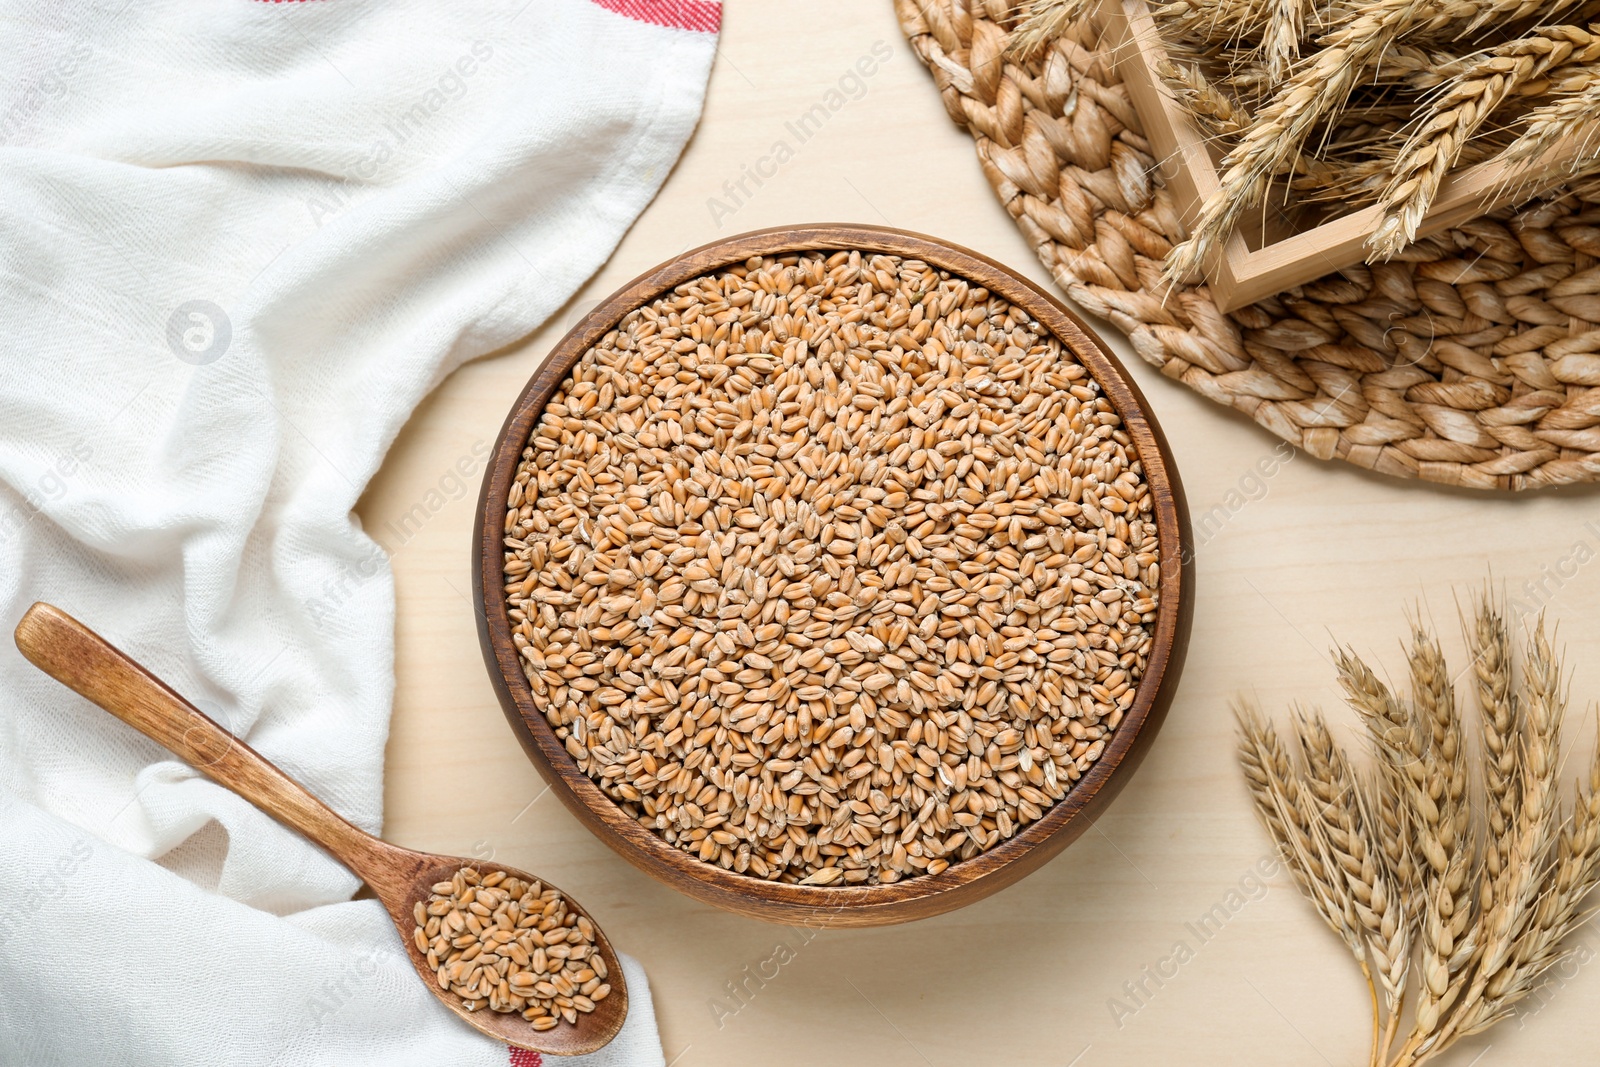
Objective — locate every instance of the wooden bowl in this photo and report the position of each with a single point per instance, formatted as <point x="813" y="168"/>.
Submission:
<point x="870" y="905"/>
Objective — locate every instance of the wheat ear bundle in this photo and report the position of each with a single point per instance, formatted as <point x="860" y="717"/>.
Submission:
<point x="1454" y="914"/>
<point x="1322" y="109"/>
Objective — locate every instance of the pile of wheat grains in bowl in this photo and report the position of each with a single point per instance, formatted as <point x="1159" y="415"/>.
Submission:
<point x="831" y="568"/>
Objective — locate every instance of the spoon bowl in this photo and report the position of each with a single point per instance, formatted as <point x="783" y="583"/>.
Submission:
<point x="592" y="1031"/>
<point x="86" y="663"/>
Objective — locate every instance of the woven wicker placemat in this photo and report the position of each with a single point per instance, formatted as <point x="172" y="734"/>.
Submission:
<point x="1469" y="360"/>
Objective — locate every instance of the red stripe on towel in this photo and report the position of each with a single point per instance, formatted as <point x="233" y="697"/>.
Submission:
<point x="702" y="16"/>
<point x="522" y="1057"/>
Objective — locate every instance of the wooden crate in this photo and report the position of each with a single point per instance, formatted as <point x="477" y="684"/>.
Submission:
<point x="1243" y="271"/>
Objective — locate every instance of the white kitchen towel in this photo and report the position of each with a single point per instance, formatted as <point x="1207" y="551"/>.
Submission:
<point x="239" y="241"/>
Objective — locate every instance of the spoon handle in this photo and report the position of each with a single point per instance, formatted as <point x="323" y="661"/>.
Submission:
<point x="86" y="663"/>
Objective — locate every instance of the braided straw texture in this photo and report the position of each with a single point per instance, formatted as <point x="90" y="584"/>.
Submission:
<point x="1471" y="359"/>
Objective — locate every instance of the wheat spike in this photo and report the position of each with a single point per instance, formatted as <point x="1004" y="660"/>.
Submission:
<point x="1482" y="15"/>
<point x="1569" y="115"/>
<point x="1394" y="730"/>
<point x="1462" y="106"/>
<point x="1316" y="89"/>
<point x="1508" y="910"/>
<point x="1572" y="868"/>
<point x="1211" y="21"/>
<point x="1445" y="758"/>
<point x="1353" y="850"/>
<point x="1490" y="644"/>
<point x="1329" y="787"/>
<point x="1425" y="750"/>
<point x="1214" y="110"/>
<point x="1281" y="36"/>
<point x="1392" y="819"/>
<point x="1576" y="874"/>
<point x="1045" y="21"/>
<point x="1399" y="747"/>
<point x="1448" y="904"/>
<point x="1287" y="810"/>
<point x="1266" y="766"/>
<point x="1221" y="114"/>
<point x="1349" y="184"/>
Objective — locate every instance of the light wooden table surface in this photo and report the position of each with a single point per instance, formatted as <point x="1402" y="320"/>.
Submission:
<point x="1050" y="971"/>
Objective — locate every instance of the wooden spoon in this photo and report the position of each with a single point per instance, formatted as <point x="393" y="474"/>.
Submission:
<point x="82" y="660"/>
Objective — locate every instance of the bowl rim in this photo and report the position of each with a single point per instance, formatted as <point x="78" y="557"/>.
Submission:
<point x="923" y="894"/>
